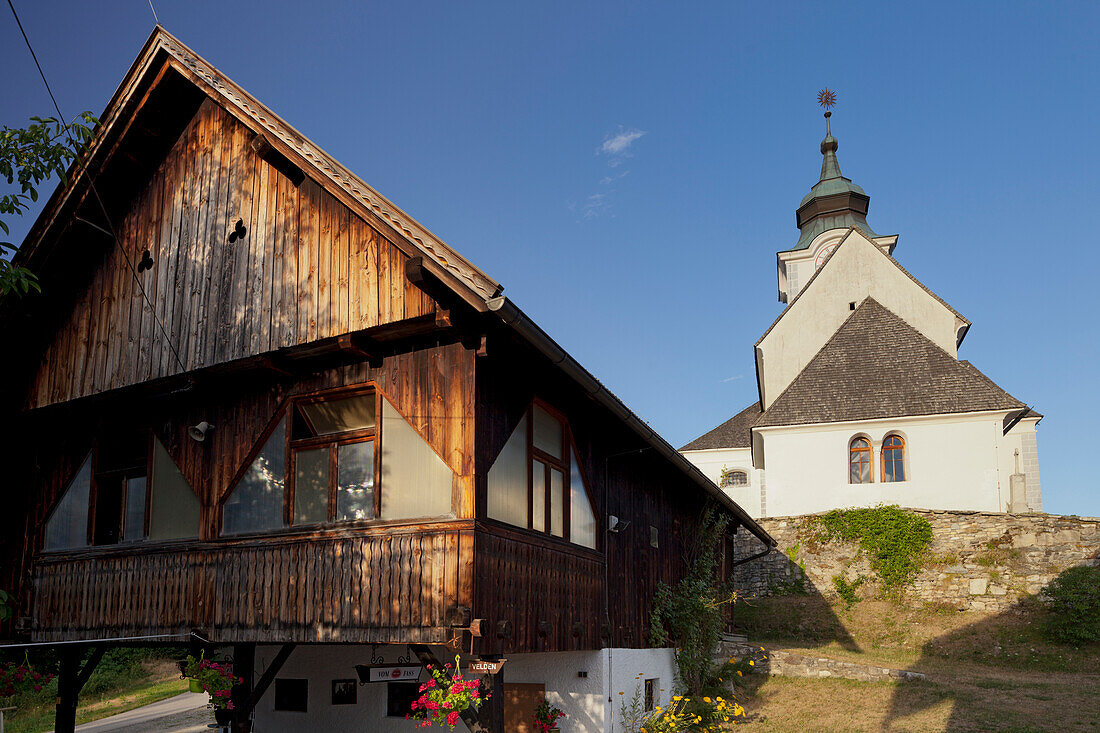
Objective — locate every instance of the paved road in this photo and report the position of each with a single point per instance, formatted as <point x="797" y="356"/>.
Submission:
<point x="186" y="713"/>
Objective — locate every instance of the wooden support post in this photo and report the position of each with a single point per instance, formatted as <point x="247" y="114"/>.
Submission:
<point x="244" y="662"/>
<point x="67" y="691"/>
<point x="496" y="702"/>
<point x="264" y="682"/>
<point x="71" y="679"/>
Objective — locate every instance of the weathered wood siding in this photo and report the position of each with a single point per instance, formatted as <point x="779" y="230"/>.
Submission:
<point x="307" y="268"/>
<point x="392" y="585"/>
<point x="433" y="388"/>
<point x="528" y="577"/>
<point x="551" y="595"/>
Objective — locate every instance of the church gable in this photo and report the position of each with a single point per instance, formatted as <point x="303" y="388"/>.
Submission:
<point x="223" y="254"/>
<point x="856" y="269"/>
<point x="878" y="366"/>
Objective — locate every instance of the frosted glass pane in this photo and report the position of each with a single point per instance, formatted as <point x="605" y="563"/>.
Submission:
<point x="582" y="521"/>
<point x="415" y="481"/>
<point x="174" y="507"/>
<point x="67" y="527"/>
<point x="338" y="416"/>
<point x="547" y="432"/>
<point x="355" y="481"/>
<point x="538" y="496"/>
<point x="134" y="528"/>
<point x="507" y="494"/>
<point x="311" y="474"/>
<point x="256" y="503"/>
<point x="557" y="509"/>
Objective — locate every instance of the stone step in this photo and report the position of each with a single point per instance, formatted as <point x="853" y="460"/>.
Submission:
<point x="795" y="664"/>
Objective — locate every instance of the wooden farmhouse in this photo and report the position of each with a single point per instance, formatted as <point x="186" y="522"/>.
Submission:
<point x="257" y="408"/>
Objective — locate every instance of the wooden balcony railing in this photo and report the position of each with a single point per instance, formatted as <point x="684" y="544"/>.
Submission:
<point x="373" y="585"/>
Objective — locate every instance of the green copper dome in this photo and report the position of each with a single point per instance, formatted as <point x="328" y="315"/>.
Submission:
<point x="834" y="202"/>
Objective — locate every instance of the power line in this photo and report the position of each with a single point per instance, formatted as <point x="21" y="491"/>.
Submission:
<point x="91" y="184"/>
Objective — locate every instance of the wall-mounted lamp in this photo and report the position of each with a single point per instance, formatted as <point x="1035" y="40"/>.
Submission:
<point x="198" y="432"/>
<point x="614" y="524"/>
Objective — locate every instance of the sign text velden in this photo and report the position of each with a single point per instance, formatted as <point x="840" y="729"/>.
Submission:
<point x="481" y="666"/>
<point x="394" y="674"/>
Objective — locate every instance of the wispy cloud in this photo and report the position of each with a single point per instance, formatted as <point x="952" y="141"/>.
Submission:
<point x="615" y="149"/>
<point x="734" y="378"/>
<point x="618" y="143"/>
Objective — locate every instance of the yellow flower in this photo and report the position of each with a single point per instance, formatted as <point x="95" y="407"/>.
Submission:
<point x="739" y="673"/>
<point x="752" y="663"/>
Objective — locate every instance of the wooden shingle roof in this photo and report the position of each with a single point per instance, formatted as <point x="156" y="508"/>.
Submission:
<point x="878" y="366"/>
<point x="733" y="433"/>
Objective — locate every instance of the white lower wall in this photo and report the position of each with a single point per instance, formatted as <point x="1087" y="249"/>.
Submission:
<point x="584" y="699"/>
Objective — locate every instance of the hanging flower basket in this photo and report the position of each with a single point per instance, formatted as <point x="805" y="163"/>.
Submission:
<point x="215" y="679"/>
<point x="445" y="696"/>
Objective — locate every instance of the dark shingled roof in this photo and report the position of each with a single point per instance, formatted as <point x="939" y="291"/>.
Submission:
<point x="733" y="433"/>
<point x="878" y="366"/>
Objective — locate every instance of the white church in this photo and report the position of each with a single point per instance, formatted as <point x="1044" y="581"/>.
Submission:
<point x="862" y="397"/>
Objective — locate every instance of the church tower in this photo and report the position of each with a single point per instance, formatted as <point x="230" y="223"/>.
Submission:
<point x="862" y="397"/>
<point x="832" y="207"/>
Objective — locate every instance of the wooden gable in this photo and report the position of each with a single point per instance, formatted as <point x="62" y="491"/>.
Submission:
<point x="243" y="262"/>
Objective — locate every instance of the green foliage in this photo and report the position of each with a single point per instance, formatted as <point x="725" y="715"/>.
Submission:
<point x="894" y="539"/>
<point x="1072" y="602"/>
<point x="633" y="716"/>
<point x="29" y="157"/>
<point x="7" y="606"/>
<point x="691" y="615"/>
<point x="849" y="592"/>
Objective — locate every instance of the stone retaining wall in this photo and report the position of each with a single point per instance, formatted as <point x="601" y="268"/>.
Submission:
<point x="791" y="664"/>
<point x="979" y="561"/>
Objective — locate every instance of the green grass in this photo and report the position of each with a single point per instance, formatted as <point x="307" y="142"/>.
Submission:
<point x="125" y="679"/>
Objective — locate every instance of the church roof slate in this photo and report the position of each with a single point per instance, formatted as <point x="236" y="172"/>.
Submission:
<point x="733" y="433"/>
<point x="878" y="366"/>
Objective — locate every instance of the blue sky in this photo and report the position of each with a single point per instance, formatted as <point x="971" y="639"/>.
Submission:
<point x="628" y="171"/>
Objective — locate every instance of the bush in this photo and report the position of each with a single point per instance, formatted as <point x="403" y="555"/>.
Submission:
<point x="1072" y="603"/>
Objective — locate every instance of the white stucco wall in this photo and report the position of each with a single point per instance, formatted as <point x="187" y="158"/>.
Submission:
<point x="960" y="462"/>
<point x="584" y="699"/>
<point x="857" y="269"/>
<point x="713" y="462"/>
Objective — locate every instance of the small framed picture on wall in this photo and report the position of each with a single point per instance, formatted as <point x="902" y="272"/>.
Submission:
<point x="343" y="692"/>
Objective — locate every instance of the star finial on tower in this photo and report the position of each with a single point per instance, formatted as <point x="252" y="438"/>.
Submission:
<point x="826" y="98"/>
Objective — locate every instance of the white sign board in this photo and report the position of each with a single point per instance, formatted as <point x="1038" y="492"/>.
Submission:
<point x="394" y="674"/>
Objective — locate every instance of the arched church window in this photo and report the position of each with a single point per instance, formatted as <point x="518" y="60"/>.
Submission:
<point x="859" y="461"/>
<point x="893" y="458"/>
<point x="734" y="478"/>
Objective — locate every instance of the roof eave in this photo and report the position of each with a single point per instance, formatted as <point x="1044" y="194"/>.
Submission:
<point x="530" y="331"/>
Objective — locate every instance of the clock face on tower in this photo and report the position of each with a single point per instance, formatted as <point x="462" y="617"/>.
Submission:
<point x="823" y="255"/>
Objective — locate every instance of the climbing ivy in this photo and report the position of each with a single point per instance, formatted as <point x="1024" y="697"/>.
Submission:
<point x="691" y="614"/>
<point x="893" y="539"/>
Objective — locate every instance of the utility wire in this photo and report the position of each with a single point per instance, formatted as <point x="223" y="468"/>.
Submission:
<point x="99" y="200"/>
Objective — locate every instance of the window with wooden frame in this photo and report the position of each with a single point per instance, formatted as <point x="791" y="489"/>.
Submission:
<point x="536" y="481"/>
<point x="337" y="456"/>
<point x="127" y="490"/>
<point x="860" y="461"/>
<point x="893" y="459"/>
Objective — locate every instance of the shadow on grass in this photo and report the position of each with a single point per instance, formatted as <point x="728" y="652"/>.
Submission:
<point x="1005" y="676"/>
